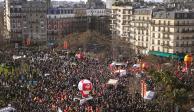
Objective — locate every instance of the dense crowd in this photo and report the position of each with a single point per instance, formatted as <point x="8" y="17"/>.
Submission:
<point x="46" y="80"/>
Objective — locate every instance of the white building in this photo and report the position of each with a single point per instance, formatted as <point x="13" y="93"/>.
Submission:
<point x="172" y="31"/>
<point x="140" y="30"/>
<point x="120" y="22"/>
<point x="13" y="19"/>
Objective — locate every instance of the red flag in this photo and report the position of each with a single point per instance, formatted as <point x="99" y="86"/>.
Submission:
<point x="65" y="46"/>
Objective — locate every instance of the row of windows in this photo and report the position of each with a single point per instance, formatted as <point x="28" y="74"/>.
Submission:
<point x="183" y="15"/>
<point x="96" y="11"/>
<point x="143" y="18"/>
<point x="164" y="22"/>
<point x="60" y="11"/>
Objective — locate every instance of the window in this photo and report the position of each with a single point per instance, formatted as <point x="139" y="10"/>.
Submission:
<point x="177" y="44"/>
<point x="153" y="28"/>
<point x="158" y="42"/>
<point x="185" y="15"/>
<point x="153" y="35"/>
<point x="177" y="15"/>
<point x="168" y="22"/>
<point x="158" y="28"/>
<point x="177" y="23"/>
<point x="168" y="43"/>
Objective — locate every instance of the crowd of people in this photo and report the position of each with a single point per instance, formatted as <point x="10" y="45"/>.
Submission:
<point x="46" y="81"/>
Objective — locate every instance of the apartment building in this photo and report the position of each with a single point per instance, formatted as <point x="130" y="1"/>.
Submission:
<point x="63" y="21"/>
<point x="25" y="19"/>
<point x="153" y="29"/>
<point x="34" y="21"/>
<point x="140" y="30"/>
<point x="98" y="20"/>
<point x="121" y="17"/>
<point x="13" y="19"/>
<point x="59" y="22"/>
<point x="172" y="31"/>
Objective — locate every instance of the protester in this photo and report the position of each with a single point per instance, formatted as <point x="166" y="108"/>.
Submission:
<point x="46" y="80"/>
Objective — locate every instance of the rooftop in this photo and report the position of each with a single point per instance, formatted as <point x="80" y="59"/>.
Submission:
<point x="183" y="14"/>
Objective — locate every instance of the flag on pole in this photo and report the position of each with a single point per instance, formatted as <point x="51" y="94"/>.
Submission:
<point x="65" y="46"/>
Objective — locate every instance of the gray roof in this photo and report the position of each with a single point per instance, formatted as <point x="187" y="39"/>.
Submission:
<point x="173" y="15"/>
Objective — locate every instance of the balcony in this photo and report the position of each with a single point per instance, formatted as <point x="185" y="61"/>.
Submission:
<point x="187" y="31"/>
<point x="166" y="46"/>
<point x="164" y="25"/>
<point x="183" y="24"/>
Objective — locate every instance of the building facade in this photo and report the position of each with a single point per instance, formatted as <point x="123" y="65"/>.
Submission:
<point x="60" y="22"/>
<point x="25" y="19"/>
<point x="140" y="30"/>
<point x="34" y="21"/>
<point x="64" y="21"/>
<point x="13" y="19"/>
<point x="121" y="18"/>
<point x="172" y="31"/>
<point x="152" y="29"/>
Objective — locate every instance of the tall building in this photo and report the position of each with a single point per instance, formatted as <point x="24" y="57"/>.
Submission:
<point x="34" y="21"/>
<point x="25" y="19"/>
<point x="121" y="17"/>
<point x="60" y="23"/>
<point x="172" y="31"/>
<point x="152" y="29"/>
<point x="140" y="30"/>
<point x="13" y="19"/>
